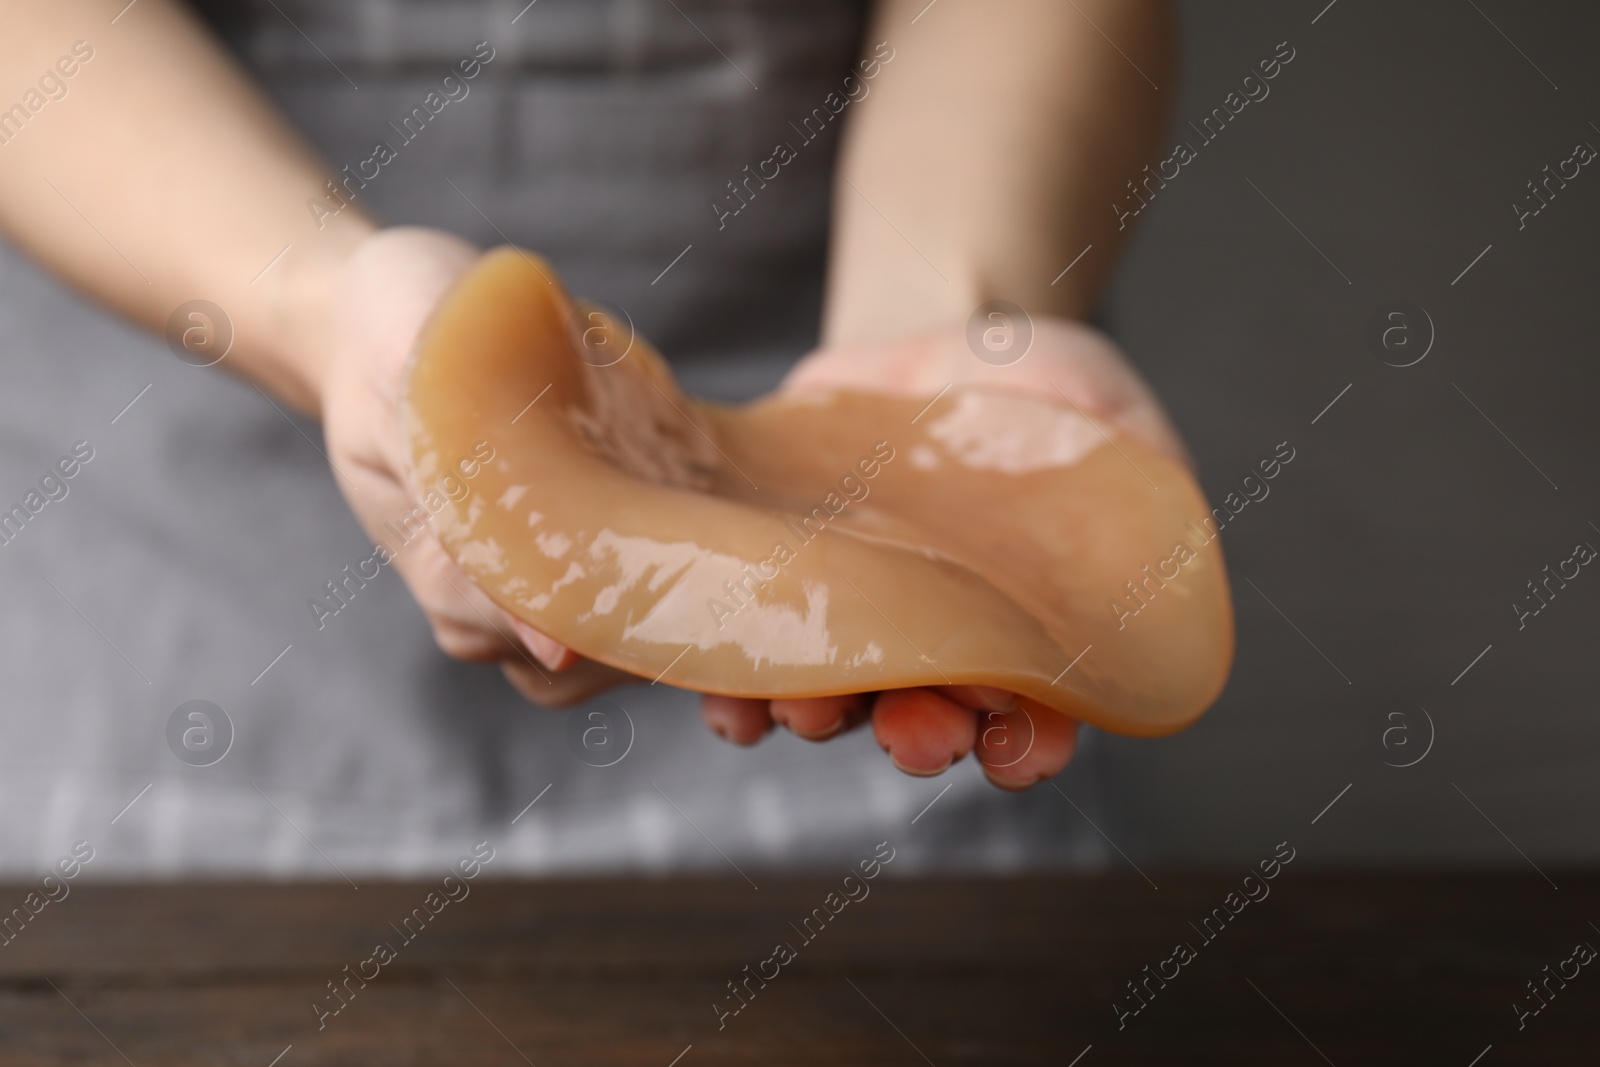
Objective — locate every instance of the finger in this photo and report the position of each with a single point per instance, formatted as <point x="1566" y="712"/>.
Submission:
<point x="1021" y="748"/>
<point x="547" y="650"/>
<point x="466" y="623"/>
<point x="979" y="697"/>
<point x="819" y="718"/>
<point x="922" y="731"/>
<point x="561" y="690"/>
<point x="742" y="720"/>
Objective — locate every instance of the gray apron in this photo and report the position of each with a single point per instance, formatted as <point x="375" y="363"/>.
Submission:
<point x="178" y="565"/>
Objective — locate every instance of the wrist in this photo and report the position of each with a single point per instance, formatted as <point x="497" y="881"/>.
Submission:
<point x="301" y="306"/>
<point x="871" y="300"/>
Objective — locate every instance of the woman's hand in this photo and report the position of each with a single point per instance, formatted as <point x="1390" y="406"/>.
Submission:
<point x="1018" y="741"/>
<point x="386" y="290"/>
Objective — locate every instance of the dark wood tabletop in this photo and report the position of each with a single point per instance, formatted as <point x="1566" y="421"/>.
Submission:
<point x="1325" y="969"/>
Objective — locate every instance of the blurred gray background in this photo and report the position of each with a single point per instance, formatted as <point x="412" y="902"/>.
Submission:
<point x="1384" y="161"/>
<point x="1407" y="525"/>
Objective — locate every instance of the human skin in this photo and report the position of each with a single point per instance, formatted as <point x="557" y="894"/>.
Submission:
<point x="995" y="142"/>
<point x="981" y="164"/>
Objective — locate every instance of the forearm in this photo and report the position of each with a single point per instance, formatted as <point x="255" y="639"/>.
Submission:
<point x="161" y="176"/>
<point x="986" y="157"/>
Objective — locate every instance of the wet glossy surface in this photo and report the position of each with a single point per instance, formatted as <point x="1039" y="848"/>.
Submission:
<point x="809" y="544"/>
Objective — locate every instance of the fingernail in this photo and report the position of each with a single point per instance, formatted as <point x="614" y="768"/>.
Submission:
<point x="818" y="736"/>
<point x="919" y="772"/>
<point x="545" y="650"/>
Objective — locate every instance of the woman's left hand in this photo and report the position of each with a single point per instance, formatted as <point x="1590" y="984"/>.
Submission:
<point x="1018" y="741"/>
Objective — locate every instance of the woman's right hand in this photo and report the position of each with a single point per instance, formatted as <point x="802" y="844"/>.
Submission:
<point x="387" y="289"/>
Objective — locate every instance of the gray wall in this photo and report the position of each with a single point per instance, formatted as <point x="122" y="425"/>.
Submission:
<point x="1396" y="141"/>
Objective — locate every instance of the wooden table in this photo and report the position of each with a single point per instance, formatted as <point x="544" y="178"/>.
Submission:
<point x="1343" y="970"/>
